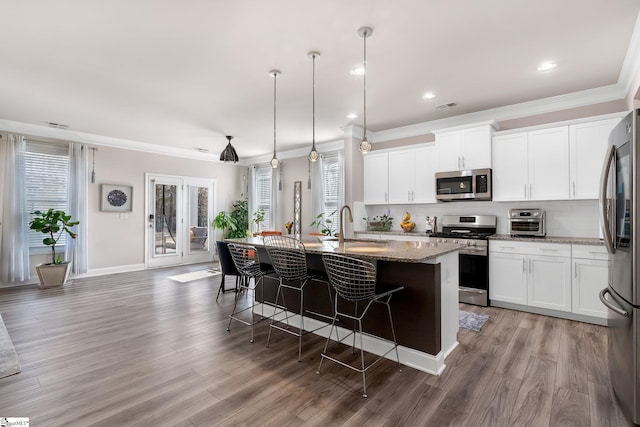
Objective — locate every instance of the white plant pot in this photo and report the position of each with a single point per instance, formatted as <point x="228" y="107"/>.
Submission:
<point x="51" y="275"/>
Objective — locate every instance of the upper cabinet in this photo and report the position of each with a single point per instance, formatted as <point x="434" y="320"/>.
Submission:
<point x="376" y="178"/>
<point x="587" y="147"/>
<point x="531" y="165"/>
<point x="411" y="176"/>
<point x="556" y="163"/>
<point x="462" y="149"/>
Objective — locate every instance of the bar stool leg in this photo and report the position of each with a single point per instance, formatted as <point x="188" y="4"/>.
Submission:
<point x="301" y="324"/>
<point x="275" y="311"/>
<point x="393" y="333"/>
<point x="326" y="344"/>
<point x="233" y="312"/>
<point x="364" y="375"/>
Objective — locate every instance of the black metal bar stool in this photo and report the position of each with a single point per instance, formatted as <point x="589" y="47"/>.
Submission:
<point x="289" y="259"/>
<point x="355" y="280"/>
<point x="247" y="263"/>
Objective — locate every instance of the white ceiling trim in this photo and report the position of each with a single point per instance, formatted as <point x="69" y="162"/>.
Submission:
<point x="525" y="109"/>
<point x="101" y="140"/>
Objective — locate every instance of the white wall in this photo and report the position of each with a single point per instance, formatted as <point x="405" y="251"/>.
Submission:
<point x="117" y="240"/>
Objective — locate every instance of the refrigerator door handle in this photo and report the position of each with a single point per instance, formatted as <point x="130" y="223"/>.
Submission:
<point x="604" y="206"/>
<point x="610" y="305"/>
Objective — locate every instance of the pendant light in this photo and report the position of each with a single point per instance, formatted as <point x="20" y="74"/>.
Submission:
<point x="229" y="153"/>
<point x="365" y="145"/>
<point x="313" y="155"/>
<point x="274" y="74"/>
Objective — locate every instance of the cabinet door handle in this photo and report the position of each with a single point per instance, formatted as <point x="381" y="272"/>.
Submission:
<point x="530" y="191"/>
<point x="575" y="270"/>
<point x="409" y="195"/>
<point x="530" y="267"/>
<point x="462" y="157"/>
<point x="574" y="189"/>
<point x="386" y="197"/>
<point x="549" y="249"/>
<point x="525" y="191"/>
<point x="523" y="269"/>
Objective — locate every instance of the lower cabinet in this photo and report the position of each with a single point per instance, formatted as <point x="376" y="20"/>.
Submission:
<point x="561" y="278"/>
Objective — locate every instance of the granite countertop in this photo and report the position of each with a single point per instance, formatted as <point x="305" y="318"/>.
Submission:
<point x="411" y="251"/>
<point x="550" y="239"/>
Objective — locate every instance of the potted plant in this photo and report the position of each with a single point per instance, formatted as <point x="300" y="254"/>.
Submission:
<point x="223" y="221"/>
<point x="323" y="224"/>
<point x="379" y="223"/>
<point x="258" y="218"/>
<point x="53" y="223"/>
<point x="236" y="222"/>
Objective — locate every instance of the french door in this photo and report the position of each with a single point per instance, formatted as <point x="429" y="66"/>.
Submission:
<point x="179" y="214"/>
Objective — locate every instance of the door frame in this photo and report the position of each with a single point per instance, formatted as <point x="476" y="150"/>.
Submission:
<point x="183" y="253"/>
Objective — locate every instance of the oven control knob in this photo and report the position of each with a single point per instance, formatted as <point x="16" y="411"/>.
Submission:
<point x="455" y="241"/>
<point x="471" y="243"/>
<point x="441" y="240"/>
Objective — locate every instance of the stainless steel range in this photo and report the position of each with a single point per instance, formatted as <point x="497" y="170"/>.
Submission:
<point x="473" y="232"/>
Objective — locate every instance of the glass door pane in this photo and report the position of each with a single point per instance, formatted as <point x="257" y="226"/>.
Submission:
<point x="165" y="218"/>
<point x="198" y="218"/>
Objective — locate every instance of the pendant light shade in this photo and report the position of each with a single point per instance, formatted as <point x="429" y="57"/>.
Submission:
<point x="313" y="155"/>
<point x="274" y="160"/>
<point x="229" y="153"/>
<point x="365" y="145"/>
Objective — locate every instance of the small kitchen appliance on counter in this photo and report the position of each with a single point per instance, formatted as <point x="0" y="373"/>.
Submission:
<point x="473" y="232"/>
<point x="527" y="222"/>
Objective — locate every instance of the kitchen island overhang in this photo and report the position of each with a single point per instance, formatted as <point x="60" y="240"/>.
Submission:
<point x="425" y="313"/>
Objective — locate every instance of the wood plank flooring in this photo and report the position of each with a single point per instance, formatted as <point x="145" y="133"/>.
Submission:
<point x="141" y="349"/>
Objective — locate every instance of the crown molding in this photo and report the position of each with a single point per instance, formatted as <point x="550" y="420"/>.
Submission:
<point x="30" y="129"/>
<point x="631" y="66"/>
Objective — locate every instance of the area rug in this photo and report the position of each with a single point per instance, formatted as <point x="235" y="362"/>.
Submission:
<point x="472" y="321"/>
<point x="9" y="364"/>
<point x="194" y="275"/>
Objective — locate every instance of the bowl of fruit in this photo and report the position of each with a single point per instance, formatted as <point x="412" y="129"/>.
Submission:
<point x="407" y="225"/>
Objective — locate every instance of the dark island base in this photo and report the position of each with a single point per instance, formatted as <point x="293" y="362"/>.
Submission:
<point x="416" y="310"/>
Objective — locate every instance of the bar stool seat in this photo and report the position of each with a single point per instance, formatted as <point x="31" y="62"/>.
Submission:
<point x="289" y="259"/>
<point x="247" y="262"/>
<point x="355" y="281"/>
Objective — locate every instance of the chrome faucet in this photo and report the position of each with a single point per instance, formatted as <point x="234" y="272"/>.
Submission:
<point x="341" y="230"/>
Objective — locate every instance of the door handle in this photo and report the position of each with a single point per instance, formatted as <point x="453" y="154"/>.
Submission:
<point x="604" y="207"/>
<point x="609" y="304"/>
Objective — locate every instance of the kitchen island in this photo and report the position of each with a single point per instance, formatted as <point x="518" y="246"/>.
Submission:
<point x="425" y="313"/>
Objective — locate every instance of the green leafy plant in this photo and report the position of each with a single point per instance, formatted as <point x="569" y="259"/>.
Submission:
<point x="223" y="221"/>
<point x="258" y="218"/>
<point x="324" y="224"/>
<point x="53" y="223"/>
<point x="379" y="222"/>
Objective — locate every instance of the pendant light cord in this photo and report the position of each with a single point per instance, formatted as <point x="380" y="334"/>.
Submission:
<point x="365" y="84"/>
<point x="275" y="77"/>
<point x="313" y="97"/>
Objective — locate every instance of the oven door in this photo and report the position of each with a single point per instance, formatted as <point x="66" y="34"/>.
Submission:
<point x="474" y="277"/>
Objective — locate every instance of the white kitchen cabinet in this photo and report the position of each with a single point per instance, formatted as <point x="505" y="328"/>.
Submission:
<point x="376" y="178"/>
<point x="588" y="144"/>
<point x="530" y="274"/>
<point x="464" y="149"/>
<point x="549" y="282"/>
<point x="590" y="274"/>
<point x="411" y="176"/>
<point x="507" y="277"/>
<point x="510" y="167"/>
<point x="548" y="151"/>
<point x="531" y="165"/>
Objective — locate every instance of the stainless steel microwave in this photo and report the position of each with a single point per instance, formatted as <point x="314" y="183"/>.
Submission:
<point x="473" y="184"/>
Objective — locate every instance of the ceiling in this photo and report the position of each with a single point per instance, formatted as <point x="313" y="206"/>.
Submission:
<point x="184" y="74"/>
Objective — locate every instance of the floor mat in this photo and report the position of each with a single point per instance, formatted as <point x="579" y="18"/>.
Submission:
<point x="194" y="275"/>
<point x="472" y="321"/>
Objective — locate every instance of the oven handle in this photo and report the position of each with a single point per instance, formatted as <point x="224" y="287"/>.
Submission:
<point x="472" y="290"/>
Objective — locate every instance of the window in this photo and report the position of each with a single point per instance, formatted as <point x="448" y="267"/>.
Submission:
<point x="47" y="182"/>
<point x="263" y="194"/>
<point x="332" y="187"/>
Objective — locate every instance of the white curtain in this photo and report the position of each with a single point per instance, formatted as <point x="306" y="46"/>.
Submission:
<point x="317" y="193"/>
<point x="14" y="253"/>
<point x="251" y="199"/>
<point x="77" y="249"/>
<point x="276" y="219"/>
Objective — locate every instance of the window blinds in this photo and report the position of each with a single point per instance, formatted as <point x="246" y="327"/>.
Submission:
<point x="47" y="182"/>
<point x="332" y="186"/>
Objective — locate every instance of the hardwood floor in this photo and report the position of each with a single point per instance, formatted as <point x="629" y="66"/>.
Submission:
<point x="141" y="349"/>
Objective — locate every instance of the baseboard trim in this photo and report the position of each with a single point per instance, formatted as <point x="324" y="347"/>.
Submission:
<point x="112" y="270"/>
<point x="548" y="312"/>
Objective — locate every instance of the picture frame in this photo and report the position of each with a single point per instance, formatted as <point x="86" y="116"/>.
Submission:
<point x="116" y="198"/>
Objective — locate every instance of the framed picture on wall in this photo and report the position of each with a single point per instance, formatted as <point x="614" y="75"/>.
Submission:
<point x="116" y="198"/>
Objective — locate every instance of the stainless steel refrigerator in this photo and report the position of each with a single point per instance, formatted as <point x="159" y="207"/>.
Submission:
<point x="619" y="218"/>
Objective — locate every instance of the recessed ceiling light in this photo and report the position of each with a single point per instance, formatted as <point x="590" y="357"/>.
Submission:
<point x="352" y="116"/>
<point x="547" y="66"/>
<point x="357" y="71"/>
<point x="429" y="95"/>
